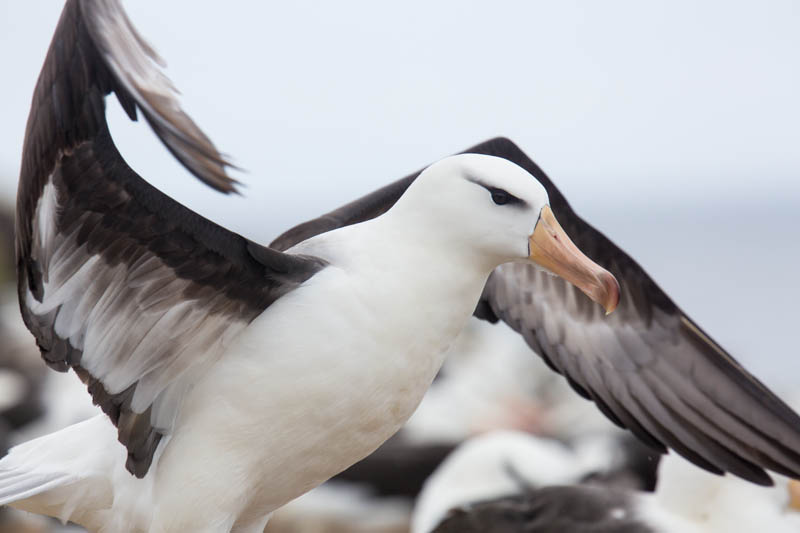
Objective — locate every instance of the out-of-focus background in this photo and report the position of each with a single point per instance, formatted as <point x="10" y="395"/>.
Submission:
<point x="672" y="126"/>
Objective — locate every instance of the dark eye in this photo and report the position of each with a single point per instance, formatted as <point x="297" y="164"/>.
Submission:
<point x="500" y="197"/>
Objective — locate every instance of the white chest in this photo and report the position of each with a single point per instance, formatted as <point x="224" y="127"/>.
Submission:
<point x="351" y="357"/>
<point x="318" y="381"/>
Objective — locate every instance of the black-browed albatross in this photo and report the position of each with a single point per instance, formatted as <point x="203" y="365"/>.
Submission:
<point x="513" y="482"/>
<point x="238" y="376"/>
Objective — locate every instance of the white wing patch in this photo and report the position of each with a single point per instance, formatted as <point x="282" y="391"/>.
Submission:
<point x="45" y="224"/>
<point x="132" y="321"/>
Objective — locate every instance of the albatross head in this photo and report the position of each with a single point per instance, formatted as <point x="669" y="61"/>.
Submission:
<point x="496" y="209"/>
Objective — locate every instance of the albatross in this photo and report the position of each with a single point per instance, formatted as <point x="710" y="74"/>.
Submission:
<point x="236" y="376"/>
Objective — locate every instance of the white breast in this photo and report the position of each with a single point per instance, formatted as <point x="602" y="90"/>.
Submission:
<point x="323" y="377"/>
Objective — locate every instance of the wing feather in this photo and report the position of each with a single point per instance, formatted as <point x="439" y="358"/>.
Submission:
<point x="135" y="292"/>
<point x="648" y="366"/>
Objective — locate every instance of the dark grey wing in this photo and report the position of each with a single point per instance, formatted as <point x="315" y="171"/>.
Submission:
<point x="648" y="366"/>
<point x="365" y="208"/>
<point x="135" y="292"/>
<point x="572" y="508"/>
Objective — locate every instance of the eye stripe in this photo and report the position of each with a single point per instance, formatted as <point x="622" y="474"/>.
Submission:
<point x="504" y="197"/>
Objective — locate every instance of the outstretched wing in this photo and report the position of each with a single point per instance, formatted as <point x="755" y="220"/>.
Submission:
<point x="132" y="290"/>
<point x="648" y="366"/>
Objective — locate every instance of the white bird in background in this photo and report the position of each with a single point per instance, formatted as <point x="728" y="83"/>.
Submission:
<point x="238" y="376"/>
<point x="510" y="481"/>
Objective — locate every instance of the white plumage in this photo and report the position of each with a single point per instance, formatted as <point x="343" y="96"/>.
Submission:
<point x="316" y="382"/>
<point x="237" y="376"/>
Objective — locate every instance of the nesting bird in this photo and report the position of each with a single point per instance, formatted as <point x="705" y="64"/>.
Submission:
<point x="508" y="482"/>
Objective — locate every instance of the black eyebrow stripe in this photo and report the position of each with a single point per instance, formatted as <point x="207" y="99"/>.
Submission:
<point x="512" y="200"/>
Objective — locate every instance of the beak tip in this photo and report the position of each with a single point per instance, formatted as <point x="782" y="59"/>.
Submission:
<point x="551" y="248"/>
<point x="611" y="301"/>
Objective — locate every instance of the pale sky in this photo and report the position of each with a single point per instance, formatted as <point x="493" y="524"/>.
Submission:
<point x="668" y="124"/>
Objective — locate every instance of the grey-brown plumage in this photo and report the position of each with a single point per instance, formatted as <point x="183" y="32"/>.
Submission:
<point x="116" y="280"/>
<point x="648" y="366"/>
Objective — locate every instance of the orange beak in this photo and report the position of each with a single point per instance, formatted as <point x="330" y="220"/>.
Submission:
<point x="552" y="249"/>
<point x="794" y="494"/>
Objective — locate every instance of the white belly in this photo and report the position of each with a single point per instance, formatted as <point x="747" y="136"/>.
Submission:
<point x="314" y="384"/>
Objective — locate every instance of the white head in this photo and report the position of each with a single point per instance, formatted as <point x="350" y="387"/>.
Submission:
<point x="491" y="211"/>
<point x="478" y="202"/>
